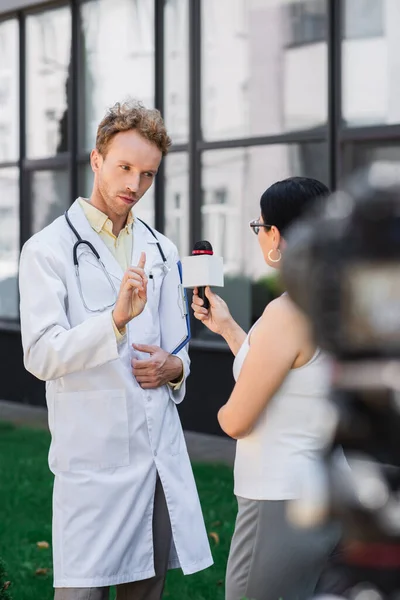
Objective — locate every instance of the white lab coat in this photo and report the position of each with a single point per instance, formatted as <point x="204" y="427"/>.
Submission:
<point x="109" y="436"/>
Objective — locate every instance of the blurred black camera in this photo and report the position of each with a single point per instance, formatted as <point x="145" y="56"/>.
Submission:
<point x="342" y="268"/>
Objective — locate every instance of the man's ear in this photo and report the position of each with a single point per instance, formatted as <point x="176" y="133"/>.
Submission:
<point x="96" y="160"/>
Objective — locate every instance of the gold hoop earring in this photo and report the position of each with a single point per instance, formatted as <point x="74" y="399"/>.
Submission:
<point x="274" y="260"/>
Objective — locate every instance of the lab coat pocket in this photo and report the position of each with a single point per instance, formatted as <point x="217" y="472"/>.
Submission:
<point x="91" y="430"/>
<point x="155" y="280"/>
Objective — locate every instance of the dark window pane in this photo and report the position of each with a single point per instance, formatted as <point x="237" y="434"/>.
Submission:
<point x="233" y="181"/>
<point x="48" y="55"/>
<point x="9" y="242"/>
<point x="50" y="197"/>
<point x="307" y="22"/>
<point x="85" y="180"/>
<point x="264" y="67"/>
<point x="117" y="59"/>
<point x="177" y="200"/>
<point x="9" y="101"/>
<point x="360" y="155"/>
<point x="176" y="110"/>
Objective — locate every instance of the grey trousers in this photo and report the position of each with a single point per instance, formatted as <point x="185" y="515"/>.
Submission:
<point x="147" y="589"/>
<point x="271" y="560"/>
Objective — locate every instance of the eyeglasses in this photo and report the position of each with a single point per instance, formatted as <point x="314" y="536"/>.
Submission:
<point x="256" y="226"/>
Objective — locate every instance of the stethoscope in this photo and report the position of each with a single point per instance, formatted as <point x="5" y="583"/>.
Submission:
<point x="81" y="242"/>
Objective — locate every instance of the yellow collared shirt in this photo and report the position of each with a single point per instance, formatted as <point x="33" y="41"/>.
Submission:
<point x="120" y="246"/>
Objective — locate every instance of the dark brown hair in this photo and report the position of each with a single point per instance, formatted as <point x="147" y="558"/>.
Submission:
<point x="132" y="115"/>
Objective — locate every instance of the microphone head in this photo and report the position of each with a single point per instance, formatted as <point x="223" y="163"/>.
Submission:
<point x="202" y="247"/>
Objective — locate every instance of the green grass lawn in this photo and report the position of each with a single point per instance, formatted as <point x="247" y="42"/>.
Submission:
<point x="25" y="519"/>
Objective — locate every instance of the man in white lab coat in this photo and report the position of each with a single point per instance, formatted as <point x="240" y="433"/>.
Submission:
<point x="94" y="316"/>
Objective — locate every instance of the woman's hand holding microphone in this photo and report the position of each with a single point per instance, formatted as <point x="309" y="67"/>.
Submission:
<point x="218" y="319"/>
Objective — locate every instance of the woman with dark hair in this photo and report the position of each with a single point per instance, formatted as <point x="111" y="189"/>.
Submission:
<point x="280" y="415"/>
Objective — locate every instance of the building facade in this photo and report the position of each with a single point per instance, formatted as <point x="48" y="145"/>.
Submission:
<point x="251" y="90"/>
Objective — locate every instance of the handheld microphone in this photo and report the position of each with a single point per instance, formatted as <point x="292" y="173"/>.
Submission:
<point x="202" y="269"/>
<point x="203" y="248"/>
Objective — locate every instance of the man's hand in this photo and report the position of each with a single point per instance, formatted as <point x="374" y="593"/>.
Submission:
<point x="159" y="369"/>
<point x="132" y="295"/>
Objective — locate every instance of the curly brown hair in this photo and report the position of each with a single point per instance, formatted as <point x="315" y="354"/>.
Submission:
<point x="130" y="115"/>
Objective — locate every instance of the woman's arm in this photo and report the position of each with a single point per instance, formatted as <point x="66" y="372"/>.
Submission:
<point x="234" y="336"/>
<point x="275" y="345"/>
<point x="218" y="319"/>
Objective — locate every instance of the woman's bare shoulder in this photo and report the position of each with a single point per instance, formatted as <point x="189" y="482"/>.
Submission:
<point x="282" y="305"/>
<point x="284" y="310"/>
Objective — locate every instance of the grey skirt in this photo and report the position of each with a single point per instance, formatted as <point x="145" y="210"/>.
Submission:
<point x="271" y="560"/>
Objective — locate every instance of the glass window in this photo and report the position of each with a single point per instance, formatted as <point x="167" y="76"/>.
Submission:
<point x="360" y="155"/>
<point x="233" y="181"/>
<point x="177" y="200"/>
<point x="9" y="242"/>
<point x="370" y="63"/>
<point x="48" y="55"/>
<point x="363" y="18"/>
<point x="254" y="82"/>
<point x="176" y="109"/>
<point x="117" y="60"/>
<point x="307" y="22"/>
<point x="85" y="180"/>
<point x="144" y="209"/>
<point x="50" y="197"/>
<point x="9" y="91"/>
